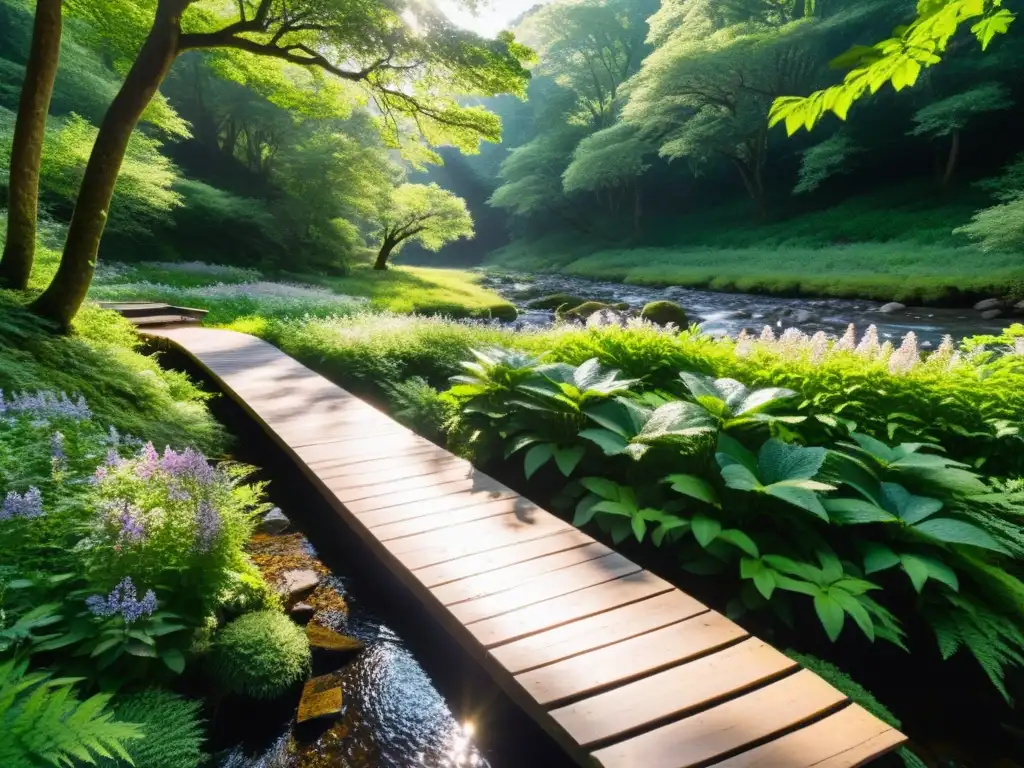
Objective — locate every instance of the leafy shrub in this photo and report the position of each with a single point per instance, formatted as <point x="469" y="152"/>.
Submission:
<point x="261" y="655"/>
<point x="174" y="731"/>
<point x="793" y="504"/>
<point x="43" y="722"/>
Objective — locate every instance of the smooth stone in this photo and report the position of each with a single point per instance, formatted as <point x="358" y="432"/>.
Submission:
<point x="274" y="522"/>
<point x="892" y="306"/>
<point x="1019" y="306"/>
<point x="323" y="639"/>
<point x="991" y="314"/>
<point x="321" y="698"/>
<point x="302" y="613"/>
<point x="296" y="585"/>
<point x="987" y="304"/>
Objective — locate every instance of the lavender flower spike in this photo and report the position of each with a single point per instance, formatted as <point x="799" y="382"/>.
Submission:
<point x="122" y="600"/>
<point x="28" y="505"/>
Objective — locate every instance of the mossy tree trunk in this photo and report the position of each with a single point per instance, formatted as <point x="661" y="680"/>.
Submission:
<point x="62" y="299"/>
<point x="27" y="148"/>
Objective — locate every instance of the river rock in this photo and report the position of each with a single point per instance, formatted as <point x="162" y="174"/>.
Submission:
<point x="891" y="307"/>
<point x="583" y="312"/>
<point x="606" y="317"/>
<point x="274" y="522"/>
<point x="302" y="613"/>
<point x="324" y="639"/>
<point x="988" y="304"/>
<point x="665" y="313"/>
<point x="1019" y="307"/>
<point x="298" y="584"/>
<point x="321" y="698"/>
<point x="991" y="314"/>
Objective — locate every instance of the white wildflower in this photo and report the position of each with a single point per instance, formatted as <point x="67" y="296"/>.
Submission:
<point x="744" y="344"/>
<point x="767" y="335"/>
<point x="869" y="346"/>
<point x="849" y="341"/>
<point x="819" y="347"/>
<point x="906" y="357"/>
<point x="1018" y="345"/>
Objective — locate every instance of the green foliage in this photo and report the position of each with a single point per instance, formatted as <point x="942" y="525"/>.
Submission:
<point x="952" y="114"/>
<point x="262" y="655"/>
<point x="1001" y="227"/>
<point x="173" y="727"/>
<point x="825" y="160"/>
<point x="419" y="406"/>
<point x="801" y="509"/>
<point x="665" y="312"/>
<point x="614" y="157"/>
<point x="425" y="214"/>
<point x="126" y="389"/>
<point x="42" y="722"/>
<point x="898" y="60"/>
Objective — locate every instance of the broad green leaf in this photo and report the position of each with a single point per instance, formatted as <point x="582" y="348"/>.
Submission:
<point x="857" y="612"/>
<point x="997" y="23"/>
<point x="731" y="451"/>
<point x="739" y="477"/>
<point x="521" y="442"/>
<point x="764" y="580"/>
<point x="620" y="530"/>
<point x="831" y="615"/>
<point x="761" y="399"/>
<point x="566" y="459"/>
<point x="907" y="507"/>
<point x="639" y="527"/>
<point x="950" y="531"/>
<point x="778" y="461"/>
<point x="878" y="557"/>
<point x="695" y="487"/>
<point x="741" y="541"/>
<point x="174" y="659"/>
<point x="750" y="567"/>
<point x="786" y="565"/>
<point x="608" y="441"/>
<point x="606" y="489"/>
<point x="615" y="508"/>
<point x="537" y="457"/>
<point x="669" y="524"/>
<point x="705" y="529"/>
<point x="855" y="512"/>
<point x="679" y="419"/>
<point x="798" y="497"/>
<point x="585" y="510"/>
<point x="916" y="570"/>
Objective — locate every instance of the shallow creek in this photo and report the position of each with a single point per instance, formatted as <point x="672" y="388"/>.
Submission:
<point x="730" y="313"/>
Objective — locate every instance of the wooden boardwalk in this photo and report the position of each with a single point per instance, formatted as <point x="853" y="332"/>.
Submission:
<point x="621" y="668"/>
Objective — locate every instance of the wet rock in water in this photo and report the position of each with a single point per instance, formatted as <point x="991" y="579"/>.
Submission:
<point x="891" y="307"/>
<point x="321" y="698"/>
<point x="665" y="312"/>
<point x="991" y="314"/>
<point x="555" y="301"/>
<point x="324" y="639"/>
<point x="1019" y="307"/>
<point x="802" y="316"/>
<point x="274" y="522"/>
<point x="584" y="311"/>
<point x="297" y="584"/>
<point x="302" y="613"/>
<point x="988" y="304"/>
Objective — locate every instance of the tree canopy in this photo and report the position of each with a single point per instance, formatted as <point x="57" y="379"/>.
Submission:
<point x="422" y="213"/>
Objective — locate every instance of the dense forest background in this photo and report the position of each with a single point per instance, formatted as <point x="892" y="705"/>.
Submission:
<point x="645" y="127"/>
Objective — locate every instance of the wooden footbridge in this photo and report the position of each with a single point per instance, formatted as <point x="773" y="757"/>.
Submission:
<point x="620" y="667"/>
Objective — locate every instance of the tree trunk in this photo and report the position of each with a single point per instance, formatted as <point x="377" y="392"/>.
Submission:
<point x="954" y="155"/>
<point x="384" y="255"/>
<point x="62" y="299"/>
<point x="27" y="149"/>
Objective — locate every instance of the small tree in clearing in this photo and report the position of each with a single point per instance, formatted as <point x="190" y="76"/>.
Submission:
<point x="423" y="213"/>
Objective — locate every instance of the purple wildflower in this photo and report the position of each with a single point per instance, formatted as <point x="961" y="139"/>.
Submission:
<point x="122" y="600"/>
<point x="113" y="437"/>
<point x="189" y="464"/>
<point x="28" y="505"/>
<point x="149" y="462"/>
<point x="113" y="459"/>
<point x="208" y="526"/>
<point x="131" y="525"/>
<point x="49" y="405"/>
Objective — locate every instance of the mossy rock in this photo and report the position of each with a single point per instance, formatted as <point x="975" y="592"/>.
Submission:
<point x="507" y="313"/>
<point x="665" y="312"/>
<point x="555" y="300"/>
<point x="261" y="655"/>
<point x="585" y="310"/>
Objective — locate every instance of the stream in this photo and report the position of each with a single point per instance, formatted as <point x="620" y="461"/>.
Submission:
<point x="729" y="313"/>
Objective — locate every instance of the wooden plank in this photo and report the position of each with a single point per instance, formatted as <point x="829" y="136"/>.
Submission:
<point x="632" y="658"/>
<point x="849" y="738"/>
<point x="662" y="696"/>
<point x="727" y="728"/>
<point x="477" y="482"/>
<point x="460" y="540"/>
<point x="597" y="632"/>
<point x="525" y="510"/>
<point x="488" y="562"/>
<point x="402" y="468"/>
<point x="427" y="455"/>
<point x="357" y="490"/>
<point x="564" y="582"/>
<point x="445" y="519"/>
<point x="362" y="449"/>
<point x="521" y="573"/>
<point x="562" y="610"/>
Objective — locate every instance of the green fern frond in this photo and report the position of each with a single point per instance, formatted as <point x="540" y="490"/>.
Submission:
<point x="994" y="640"/>
<point x="42" y="722"/>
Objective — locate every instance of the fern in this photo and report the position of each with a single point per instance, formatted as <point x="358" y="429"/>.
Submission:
<point x="175" y="739"/>
<point x="993" y="640"/>
<point x="42" y="723"/>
